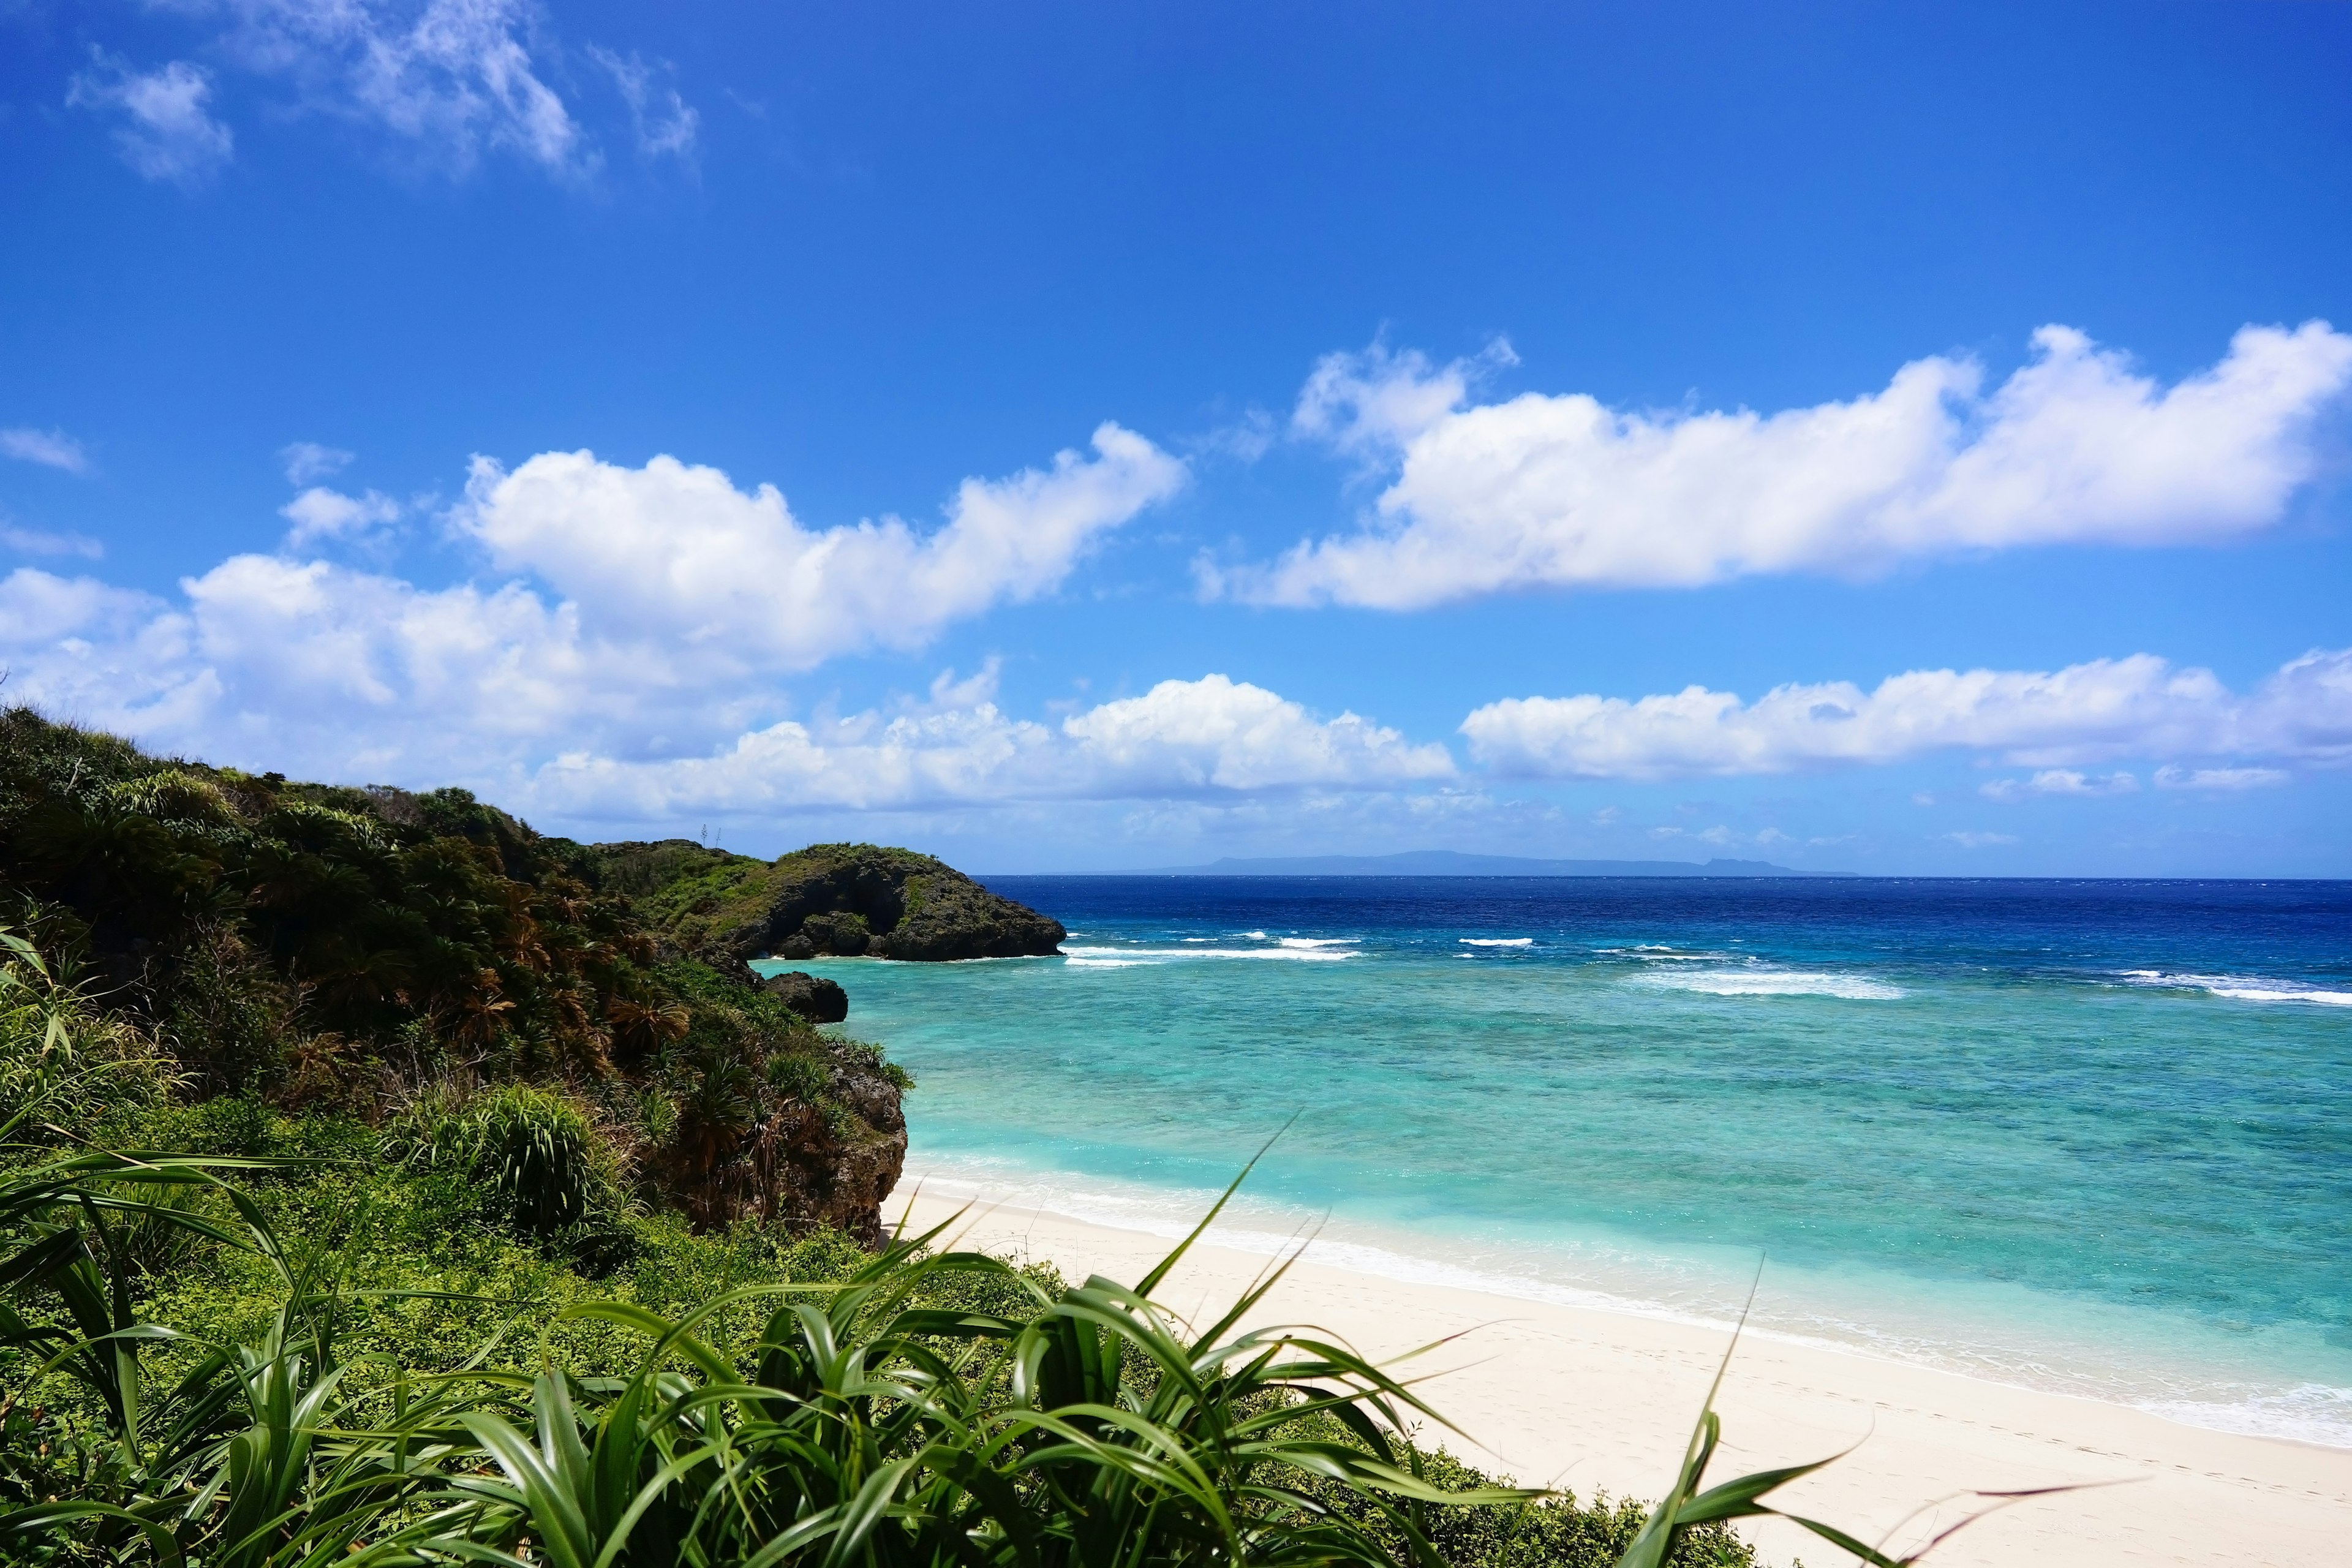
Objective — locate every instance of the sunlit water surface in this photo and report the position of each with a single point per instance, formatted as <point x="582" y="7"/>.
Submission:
<point x="2093" y="1136"/>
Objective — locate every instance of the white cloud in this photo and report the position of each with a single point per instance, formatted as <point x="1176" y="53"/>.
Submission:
<point x="664" y="123"/>
<point x="1981" y="841"/>
<point x="320" y="514"/>
<point x="352" y="675"/>
<point x="452" y="79"/>
<point x="677" y="601"/>
<point x="167" y="132"/>
<point x="2059" y="781"/>
<point x="2227" y="780"/>
<point x="50" y="448"/>
<point x="38" y="608"/>
<point x="2102" y="711"/>
<point x="1217" y="733"/>
<point x="1207" y="738"/>
<point x="307" y="462"/>
<point x="676" y="553"/>
<point x="1563" y="491"/>
<point x="33" y="542"/>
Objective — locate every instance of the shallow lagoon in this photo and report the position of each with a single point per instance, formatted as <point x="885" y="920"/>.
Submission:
<point x="2090" y="1135"/>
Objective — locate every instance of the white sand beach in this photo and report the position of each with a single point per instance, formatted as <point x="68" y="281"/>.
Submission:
<point x="1594" y="1400"/>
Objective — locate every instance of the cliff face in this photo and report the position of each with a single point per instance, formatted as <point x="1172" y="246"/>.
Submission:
<point x="837" y="1169"/>
<point x="842" y="899"/>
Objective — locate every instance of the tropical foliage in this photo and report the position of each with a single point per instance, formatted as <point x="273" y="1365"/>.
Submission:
<point x="931" y="1407"/>
<point x="354" y="949"/>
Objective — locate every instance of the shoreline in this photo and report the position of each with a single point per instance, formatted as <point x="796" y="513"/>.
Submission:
<point x="2208" y="1398"/>
<point x="1597" y="1399"/>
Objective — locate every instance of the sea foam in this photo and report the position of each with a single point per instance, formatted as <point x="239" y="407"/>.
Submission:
<point x="1128" y="957"/>
<point x="1771" y="983"/>
<point x="2240" y="988"/>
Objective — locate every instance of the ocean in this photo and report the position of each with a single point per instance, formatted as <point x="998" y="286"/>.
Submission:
<point x="2090" y="1136"/>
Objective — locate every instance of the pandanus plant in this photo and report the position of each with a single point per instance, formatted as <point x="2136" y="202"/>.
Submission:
<point x="939" y="1409"/>
<point x="867" y="1424"/>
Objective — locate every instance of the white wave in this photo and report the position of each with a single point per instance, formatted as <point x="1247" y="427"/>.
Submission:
<point x="1497" y="940"/>
<point x="1254" y="935"/>
<point x="1318" y="941"/>
<point x="1657" y="952"/>
<point x="1770" y="982"/>
<point x="2313" y="1413"/>
<point x="2240" y="988"/>
<point x="1126" y="957"/>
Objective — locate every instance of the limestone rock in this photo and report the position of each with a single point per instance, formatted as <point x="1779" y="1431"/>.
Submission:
<point x="813" y="998"/>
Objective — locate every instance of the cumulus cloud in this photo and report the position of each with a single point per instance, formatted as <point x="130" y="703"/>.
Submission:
<point x="1563" y="491"/>
<point x="1183" y="738"/>
<point x="167" y="133"/>
<point x="356" y="675"/>
<point x="645" y="615"/>
<point x="2098" y="711"/>
<point x="676" y="553"/>
<point x="50" y="448"/>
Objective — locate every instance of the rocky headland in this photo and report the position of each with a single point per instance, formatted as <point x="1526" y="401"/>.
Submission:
<point x="842" y="900"/>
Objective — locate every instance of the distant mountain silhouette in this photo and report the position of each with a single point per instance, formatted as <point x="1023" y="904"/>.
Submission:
<point x="1452" y="863"/>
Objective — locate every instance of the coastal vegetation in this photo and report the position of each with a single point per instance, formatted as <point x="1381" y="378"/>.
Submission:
<point x="849" y="900"/>
<point x="383" y="1182"/>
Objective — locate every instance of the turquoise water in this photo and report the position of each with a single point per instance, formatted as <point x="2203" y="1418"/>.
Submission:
<point x="2088" y="1136"/>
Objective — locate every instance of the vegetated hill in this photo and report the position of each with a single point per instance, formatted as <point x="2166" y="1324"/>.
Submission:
<point x="845" y="900"/>
<point x="362" y="951"/>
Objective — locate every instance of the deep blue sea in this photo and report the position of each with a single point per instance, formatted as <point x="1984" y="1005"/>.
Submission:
<point x="2087" y="1135"/>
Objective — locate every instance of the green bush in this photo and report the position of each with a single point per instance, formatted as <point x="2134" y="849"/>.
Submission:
<point x="531" y="1154"/>
<point x="351" y="1385"/>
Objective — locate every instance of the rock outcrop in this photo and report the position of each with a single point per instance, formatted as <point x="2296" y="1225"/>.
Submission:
<point x="838" y="1171"/>
<point x="829" y="899"/>
<point x="819" y="1000"/>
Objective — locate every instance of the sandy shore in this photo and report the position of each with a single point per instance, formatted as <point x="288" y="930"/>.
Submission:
<point x="1600" y="1401"/>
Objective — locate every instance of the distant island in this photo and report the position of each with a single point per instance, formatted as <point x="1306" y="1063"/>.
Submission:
<point x="1452" y="863"/>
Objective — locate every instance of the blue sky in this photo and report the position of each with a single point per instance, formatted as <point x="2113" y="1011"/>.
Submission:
<point x="1571" y="430"/>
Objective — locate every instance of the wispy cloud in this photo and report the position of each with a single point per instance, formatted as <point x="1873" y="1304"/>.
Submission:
<point x="307" y="462"/>
<point x="666" y="124"/>
<point x="1981" y="841"/>
<point x="33" y="542"/>
<point x="447" y="81"/>
<point x="320" y="514"/>
<point x="2059" y="782"/>
<point x="167" y="132"/>
<point x="2228" y="781"/>
<point x="1565" y="492"/>
<point x="50" y="448"/>
<point x="2104" y="709"/>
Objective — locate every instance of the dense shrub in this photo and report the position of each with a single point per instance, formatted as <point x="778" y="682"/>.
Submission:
<point x="389" y="1390"/>
<point x="336" y="949"/>
<point x="529" y="1153"/>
